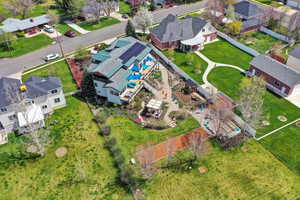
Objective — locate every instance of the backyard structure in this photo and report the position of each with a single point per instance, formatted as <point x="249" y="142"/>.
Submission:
<point x="188" y="34"/>
<point x="43" y="96"/>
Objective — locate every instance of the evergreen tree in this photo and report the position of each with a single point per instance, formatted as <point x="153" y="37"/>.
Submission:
<point x="153" y="5"/>
<point x="130" y="29"/>
<point x="70" y="8"/>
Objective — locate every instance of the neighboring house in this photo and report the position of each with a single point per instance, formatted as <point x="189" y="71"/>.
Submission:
<point x="294" y="59"/>
<point x="287" y="17"/>
<point x="43" y="96"/>
<point x="29" y="25"/>
<point x="135" y="3"/>
<point x="293" y="3"/>
<point x="119" y="70"/>
<point x="93" y="9"/>
<point x="188" y="34"/>
<point x="280" y="78"/>
<point x="250" y="14"/>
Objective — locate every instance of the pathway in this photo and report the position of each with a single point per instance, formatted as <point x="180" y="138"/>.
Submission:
<point x="76" y="27"/>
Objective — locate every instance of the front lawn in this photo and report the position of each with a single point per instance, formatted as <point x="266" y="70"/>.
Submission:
<point x="223" y="52"/>
<point x="94" y="25"/>
<point x="59" y="70"/>
<point x="24" y="45"/>
<point x="124" y="8"/>
<point x="129" y="135"/>
<point x="227" y="80"/>
<point x="231" y="174"/>
<point x="63" y="28"/>
<point x="259" y="41"/>
<point x="195" y="70"/>
<point x="86" y="172"/>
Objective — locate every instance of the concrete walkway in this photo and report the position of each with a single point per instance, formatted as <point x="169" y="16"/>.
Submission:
<point x="76" y="27"/>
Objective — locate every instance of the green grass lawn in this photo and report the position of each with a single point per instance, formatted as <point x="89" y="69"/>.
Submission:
<point x="94" y="25"/>
<point x="179" y="59"/>
<point x="223" y="52"/>
<point x="259" y="41"/>
<point x="24" y="45"/>
<point x="62" y="28"/>
<point x="59" y="70"/>
<point x="86" y="172"/>
<point x="285" y="146"/>
<point x="129" y="135"/>
<point x="227" y="80"/>
<point x="124" y="8"/>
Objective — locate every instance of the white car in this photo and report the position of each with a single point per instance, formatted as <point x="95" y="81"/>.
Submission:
<point x="48" y="29"/>
<point x="51" y="56"/>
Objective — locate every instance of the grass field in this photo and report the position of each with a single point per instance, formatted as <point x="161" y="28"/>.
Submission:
<point x="129" y="135"/>
<point x="223" y="52"/>
<point x="231" y="174"/>
<point x="227" y="80"/>
<point x="259" y="41"/>
<point x="94" y="25"/>
<point x="179" y="59"/>
<point x="59" y="70"/>
<point x="86" y="172"/>
<point x="22" y="46"/>
<point x="124" y="8"/>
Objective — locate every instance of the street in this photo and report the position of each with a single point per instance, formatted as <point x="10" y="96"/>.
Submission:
<point x="10" y="66"/>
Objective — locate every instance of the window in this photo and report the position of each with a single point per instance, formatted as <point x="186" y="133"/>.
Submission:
<point x="12" y="117"/>
<point x="56" y="100"/>
<point x="44" y="106"/>
<point x="277" y="83"/>
<point x="3" y="109"/>
<point x="54" y="91"/>
<point x="114" y="93"/>
<point x="203" y="30"/>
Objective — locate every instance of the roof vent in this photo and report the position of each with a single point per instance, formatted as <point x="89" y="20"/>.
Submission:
<point x="31" y="20"/>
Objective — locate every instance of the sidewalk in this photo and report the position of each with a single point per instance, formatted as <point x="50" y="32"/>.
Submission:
<point x="76" y="27"/>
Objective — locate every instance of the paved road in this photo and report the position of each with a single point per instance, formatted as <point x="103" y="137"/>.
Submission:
<point x="16" y="65"/>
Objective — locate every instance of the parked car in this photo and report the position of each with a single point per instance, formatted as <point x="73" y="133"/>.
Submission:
<point x="48" y="29"/>
<point x="125" y="16"/>
<point x="51" y="56"/>
<point x="70" y="33"/>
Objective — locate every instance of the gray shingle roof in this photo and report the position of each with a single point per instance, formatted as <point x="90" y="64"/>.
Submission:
<point x="173" y="29"/>
<point x="250" y="23"/>
<point x="12" y="24"/>
<point x="276" y="69"/>
<point x="8" y="86"/>
<point x="295" y="53"/>
<point x="247" y="9"/>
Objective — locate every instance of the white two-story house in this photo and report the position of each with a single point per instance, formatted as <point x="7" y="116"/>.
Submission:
<point x="24" y="104"/>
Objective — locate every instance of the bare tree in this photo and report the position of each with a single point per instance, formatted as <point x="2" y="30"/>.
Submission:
<point x="251" y="100"/>
<point x="215" y="10"/>
<point x="196" y="146"/>
<point x="19" y="7"/>
<point x="143" y="19"/>
<point x="170" y="149"/>
<point x="99" y="8"/>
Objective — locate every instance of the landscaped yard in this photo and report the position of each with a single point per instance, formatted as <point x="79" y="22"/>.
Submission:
<point x="259" y="41"/>
<point x="60" y="70"/>
<point x="124" y="8"/>
<point x="86" y="172"/>
<point x="223" y="52"/>
<point x="94" y="25"/>
<point x="194" y="70"/>
<point x="227" y="80"/>
<point x="129" y="135"/>
<point x="231" y="174"/>
<point x="24" y="45"/>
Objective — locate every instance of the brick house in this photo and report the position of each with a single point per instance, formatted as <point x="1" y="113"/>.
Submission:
<point x="281" y="79"/>
<point x="188" y="34"/>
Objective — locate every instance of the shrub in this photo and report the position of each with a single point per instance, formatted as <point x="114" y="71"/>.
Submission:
<point x="105" y="131"/>
<point x="101" y="117"/>
<point x="20" y="34"/>
<point x="120" y="159"/>
<point x="109" y="143"/>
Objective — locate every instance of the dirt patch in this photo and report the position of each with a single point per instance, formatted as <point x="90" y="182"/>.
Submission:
<point x="245" y="148"/>
<point x="202" y="169"/>
<point x="282" y="118"/>
<point x="61" y="152"/>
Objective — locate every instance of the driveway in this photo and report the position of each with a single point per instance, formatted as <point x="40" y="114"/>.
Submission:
<point x="14" y="65"/>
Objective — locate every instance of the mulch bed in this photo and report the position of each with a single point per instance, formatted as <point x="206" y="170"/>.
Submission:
<point x="76" y="71"/>
<point x="202" y="170"/>
<point x="282" y="118"/>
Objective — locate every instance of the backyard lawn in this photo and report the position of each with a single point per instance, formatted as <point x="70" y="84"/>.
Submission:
<point x="231" y="174"/>
<point x="124" y="8"/>
<point x="24" y="45"/>
<point x="179" y="59"/>
<point x="227" y="80"/>
<point x="129" y="135"/>
<point x="223" y="52"/>
<point x="259" y="41"/>
<point x="86" y="172"/>
<point x="94" y="25"/>
<point x="60" y="70"/>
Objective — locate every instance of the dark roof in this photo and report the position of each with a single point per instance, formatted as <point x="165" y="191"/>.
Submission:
<point x="8" y="86"/>
<point x="295" y="53"/>
<point x="246" y="8"/>
<point x="133" y="51"/>
<point x="276" y="69"/>
<point x="250" y="23"/>
<point x="173" y="29"/>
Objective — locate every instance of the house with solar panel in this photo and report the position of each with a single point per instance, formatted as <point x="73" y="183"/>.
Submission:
<point x="41" y="96"/>
<point x="120" y="70"/>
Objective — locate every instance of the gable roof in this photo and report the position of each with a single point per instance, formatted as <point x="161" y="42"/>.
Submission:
<point x="8" y="86"/>
<point x="276" y="69"/>
<point x="246" y="9"/>
<point x="12" y="24"/>
<point x="173" y="29"/>
<point x="295" y="53"/>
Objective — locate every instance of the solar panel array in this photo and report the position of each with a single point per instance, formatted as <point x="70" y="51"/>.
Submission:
<point x="133" y="51"/>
